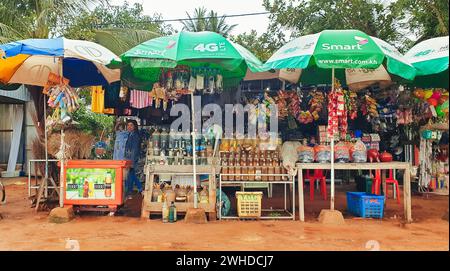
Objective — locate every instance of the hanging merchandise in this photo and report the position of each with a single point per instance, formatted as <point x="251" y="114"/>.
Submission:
<point x="140" y="99"/>
<point x="98" y="99"/>
<point x="65" y="99"/>
<point x="337" y="115"/>
<point x="369" y="107"/>
<point x="351" y="103"/>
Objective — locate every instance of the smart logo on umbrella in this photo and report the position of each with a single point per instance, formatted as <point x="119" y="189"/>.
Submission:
<point x="361" y="40"/>
<point x="171" y="44"/>
<point x="346" y="47"/>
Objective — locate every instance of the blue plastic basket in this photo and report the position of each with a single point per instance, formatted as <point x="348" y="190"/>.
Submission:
<point x="365" y="205"/>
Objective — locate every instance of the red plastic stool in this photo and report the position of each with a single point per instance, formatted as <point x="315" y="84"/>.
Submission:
<point x="392" y="180"/>
<point x="318" y="176"/>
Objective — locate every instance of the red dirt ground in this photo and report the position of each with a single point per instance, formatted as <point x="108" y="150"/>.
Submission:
<point x="23" y="229"/>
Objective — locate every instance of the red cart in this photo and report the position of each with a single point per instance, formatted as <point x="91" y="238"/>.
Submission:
<point x="95" y="185"/>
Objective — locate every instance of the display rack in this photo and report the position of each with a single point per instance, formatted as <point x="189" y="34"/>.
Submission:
<point x="149" y="207"/>
<point x="288" y="180"/>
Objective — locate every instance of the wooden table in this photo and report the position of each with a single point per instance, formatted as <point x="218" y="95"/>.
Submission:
<point x="149" y="207"/>
<point x="360" y="166"/>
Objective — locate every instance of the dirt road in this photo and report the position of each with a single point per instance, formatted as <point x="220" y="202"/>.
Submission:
<point x="22" y="229"/>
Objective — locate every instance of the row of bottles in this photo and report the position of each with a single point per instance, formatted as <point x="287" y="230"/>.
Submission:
<point x="175" y="148"/>
<point x="179" y="194"/>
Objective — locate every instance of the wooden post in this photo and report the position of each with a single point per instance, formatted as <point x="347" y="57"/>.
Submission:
<point x="301" y="202"/>
<point x="407" y="193"/>
<point x="332" y="153"/>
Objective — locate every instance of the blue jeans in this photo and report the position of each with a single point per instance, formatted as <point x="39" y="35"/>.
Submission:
<point x="131" y="180"/>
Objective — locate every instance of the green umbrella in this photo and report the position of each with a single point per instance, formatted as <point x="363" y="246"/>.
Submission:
<point x="193" y="49"/>
<point x="339" y="49"/>
<point x="430" y="58"/>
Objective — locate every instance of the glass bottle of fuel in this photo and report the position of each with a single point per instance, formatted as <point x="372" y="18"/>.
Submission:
<point x="165" y="212"/>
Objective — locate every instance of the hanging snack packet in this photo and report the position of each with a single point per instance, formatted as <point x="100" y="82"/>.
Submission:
<point x="192" y="83"/>
<point x="211" y="84"/>
<point x="200" y="82"/>
<point x="219" y="82"/>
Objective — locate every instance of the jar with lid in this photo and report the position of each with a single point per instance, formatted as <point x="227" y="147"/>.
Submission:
<point x="244" y="167"/>
<point x="264" y="170"/>
<point x="277" y="166"/>
<point x="231" y="169"/>
<point x="270" y="170"/>
<point x="237" y="168"/>
<point x="251" y="169"/>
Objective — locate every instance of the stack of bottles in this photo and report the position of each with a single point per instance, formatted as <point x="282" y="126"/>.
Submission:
<point x="251" y="160"/>
<point x="175" y="148"/>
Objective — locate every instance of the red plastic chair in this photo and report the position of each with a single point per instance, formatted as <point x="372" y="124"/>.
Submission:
<point x="318" y="176"/>
<point x="392" y="180"/>
<point x="376" y="182"/>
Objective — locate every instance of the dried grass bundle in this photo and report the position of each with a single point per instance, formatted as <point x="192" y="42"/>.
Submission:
<point x="77" y="144"/>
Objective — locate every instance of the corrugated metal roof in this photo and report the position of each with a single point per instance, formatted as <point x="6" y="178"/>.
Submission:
<point x="21" y="94"/>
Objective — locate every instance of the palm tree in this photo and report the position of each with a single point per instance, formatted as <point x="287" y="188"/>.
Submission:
<point x="204" y="21"/>
<point x="197" y="22"/>
<point x="218" y="25"/>
<point x="36" y="18"/>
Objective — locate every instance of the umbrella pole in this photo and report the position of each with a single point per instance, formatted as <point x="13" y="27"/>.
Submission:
<point x="194" y="156"/>
<point x="63" y="151"/>
<point x="46" y="143"/>
<point x="332" y="152"/>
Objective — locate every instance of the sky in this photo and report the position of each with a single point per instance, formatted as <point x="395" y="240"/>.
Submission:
<point x="177" y="9"/>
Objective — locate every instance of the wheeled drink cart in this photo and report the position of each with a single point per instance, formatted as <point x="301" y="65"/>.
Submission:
<point x="95" y="185"/>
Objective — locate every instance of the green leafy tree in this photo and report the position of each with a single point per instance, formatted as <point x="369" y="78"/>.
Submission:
<point x="423" y="19"/>
<point x="262" y="46"/>
<point x="36" y="18"/>
<point x="307" y="17"/>
<point x="118" y="28"/>
<point x="202" y="20"/>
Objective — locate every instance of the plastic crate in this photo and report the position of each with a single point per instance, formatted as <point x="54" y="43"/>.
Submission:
<point x="365" y="205"/>
<point x="249" y="204"/>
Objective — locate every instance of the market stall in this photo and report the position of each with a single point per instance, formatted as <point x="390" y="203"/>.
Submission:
<point x="430" y="58"/>
<point x="201" y="63"/>
<point x="336" y="51"/>
<point x="69" y="65"/>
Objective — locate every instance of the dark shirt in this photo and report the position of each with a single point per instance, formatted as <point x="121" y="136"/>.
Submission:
<point x="132" y="148"/>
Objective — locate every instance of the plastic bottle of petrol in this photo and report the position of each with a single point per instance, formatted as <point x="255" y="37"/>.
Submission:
<point x="165" y="213"/>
